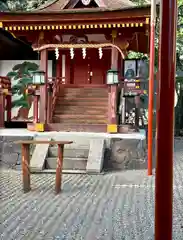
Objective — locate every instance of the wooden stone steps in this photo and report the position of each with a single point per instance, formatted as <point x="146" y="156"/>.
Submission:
<point x="70" y="152"/>
<point x="81" y="99"/>
<point x="82" y="111"/>
<point x="84" y="90"/>
<point x="68" y="163"/>
<point x="80" y="103"/>
<point x="81" y="106"/>
<point x="84" y="107"/>
<point x="75" y="109"/>
<point x="78" y="127"/>
<point x="79" y="116"/>
<point x="79" y="121"/>
<point x="89" y="94"/>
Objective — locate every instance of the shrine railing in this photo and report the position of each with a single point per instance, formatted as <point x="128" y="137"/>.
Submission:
<point x="5" y="84"/>
<point x="5" y="100"/>
<point x="134" y="87"/>
<point x="54" y="83"/>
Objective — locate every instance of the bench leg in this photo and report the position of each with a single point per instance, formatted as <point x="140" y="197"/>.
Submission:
<point x="25" y="168"/>
<point x="59" y="169"/>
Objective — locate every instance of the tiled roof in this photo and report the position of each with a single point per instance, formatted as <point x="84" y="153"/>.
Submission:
<point x="56" y="5"/>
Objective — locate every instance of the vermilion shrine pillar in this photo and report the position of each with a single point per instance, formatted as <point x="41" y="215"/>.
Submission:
<point x="2" y="109"/>
<point x="165" y="121"/>
<point x="112" y="118"/>
<point x="8" y="107"/>
<point x="43" y="89"/>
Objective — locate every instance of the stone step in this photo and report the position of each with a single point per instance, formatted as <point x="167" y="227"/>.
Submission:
<point x="81" y="141"/>
<point x="86" y="94"/>
<point x="67" y="171"/>
<point x="76" y="111"/>
<point x="68" y="163"/>
<point x="80" y="127"/>
<point x="85" y="107"/>
<point x="81" y="99"/>
<point x="83" y="102"/>
<point x="57" y="119"/>
<point x="82" y="117"/>
<point x="71" y="153"/>
<point x="84" y="90"/>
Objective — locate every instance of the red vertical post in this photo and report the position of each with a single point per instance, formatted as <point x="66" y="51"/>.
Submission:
<point x="26" y="167"/>
<point x="59" y="169"/>
<point x="36" y="108"/>
<point x="49" y="120"/>
<point x="43" y="89"/>
<point x="2" y="108"/>
<point x="8" y="102"/>
<point x="165" y="133"/>
<point x="112" y="105"/>
<point x="151" y="86"/>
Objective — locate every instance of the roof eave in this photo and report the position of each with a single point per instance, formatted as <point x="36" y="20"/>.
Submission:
<point x="78" y="11"/>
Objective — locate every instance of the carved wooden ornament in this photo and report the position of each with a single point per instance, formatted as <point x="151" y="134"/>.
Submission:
<point x="86" y="2"/>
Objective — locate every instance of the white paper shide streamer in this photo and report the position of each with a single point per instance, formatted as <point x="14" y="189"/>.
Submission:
<point x="56" y="53"/>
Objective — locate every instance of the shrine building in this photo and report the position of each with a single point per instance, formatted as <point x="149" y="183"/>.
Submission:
<point x="79" y="46"/>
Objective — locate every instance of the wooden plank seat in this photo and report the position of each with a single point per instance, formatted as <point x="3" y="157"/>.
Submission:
<point x="26" y="162"/>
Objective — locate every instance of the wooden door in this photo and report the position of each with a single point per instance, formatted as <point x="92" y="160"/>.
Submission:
<point x="99" y="67"/>
<point x="80" y="69"/>
<point x="90" y="70"/>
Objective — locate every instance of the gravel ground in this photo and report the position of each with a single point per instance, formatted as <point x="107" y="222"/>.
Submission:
<point x="117" y="206"/>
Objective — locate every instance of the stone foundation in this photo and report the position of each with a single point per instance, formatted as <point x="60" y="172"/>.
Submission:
<point x="10" y="152"/>
<point x="126" y="154"/>
<point x="122" y="151"/>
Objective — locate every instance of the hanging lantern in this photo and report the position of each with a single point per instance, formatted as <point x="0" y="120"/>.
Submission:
<point x="112" y="77"/>
<point x="84" y="52"/>
<point x="72" y="53"/>
<point x="57" y="53"/>
<point x="38" y="78"/>
<point x="100" y="53"/>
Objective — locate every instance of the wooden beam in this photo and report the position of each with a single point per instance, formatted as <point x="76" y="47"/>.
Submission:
<point x="91" y="15"/>
<point x="31" y="27"/>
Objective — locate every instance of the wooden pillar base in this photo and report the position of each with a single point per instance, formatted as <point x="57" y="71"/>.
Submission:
<point x="112" y="128"/>
<point x="36" y="127"/>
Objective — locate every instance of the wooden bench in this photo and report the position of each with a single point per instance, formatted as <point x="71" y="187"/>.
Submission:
<point x="26" y="162"/>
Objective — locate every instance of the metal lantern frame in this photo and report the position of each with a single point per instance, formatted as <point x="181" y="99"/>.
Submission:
<point x="38" y="77"/>
<point x="112" y="77"/>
